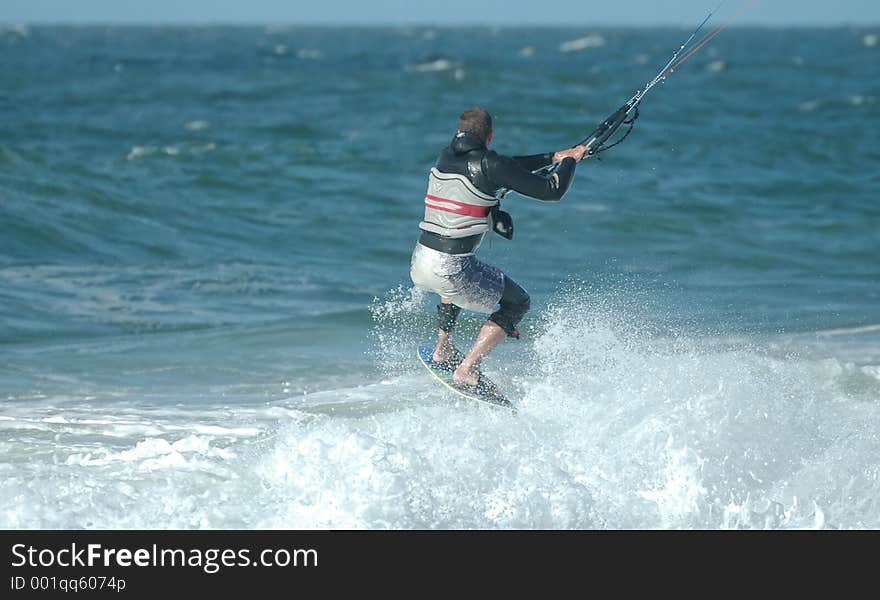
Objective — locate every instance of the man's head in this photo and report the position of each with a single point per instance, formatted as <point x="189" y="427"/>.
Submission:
<point x="477" y="121"/>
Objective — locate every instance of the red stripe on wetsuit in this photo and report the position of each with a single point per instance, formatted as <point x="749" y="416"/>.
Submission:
<point x="458" y="208"/>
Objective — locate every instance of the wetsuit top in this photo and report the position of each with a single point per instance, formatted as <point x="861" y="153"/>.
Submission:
<point x="467" y="179"/>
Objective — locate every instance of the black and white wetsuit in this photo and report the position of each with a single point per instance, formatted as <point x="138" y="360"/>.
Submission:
<point x="463" y="188"/>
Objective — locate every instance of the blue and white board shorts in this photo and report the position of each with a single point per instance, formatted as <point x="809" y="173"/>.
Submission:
<point x="462" y="278"/>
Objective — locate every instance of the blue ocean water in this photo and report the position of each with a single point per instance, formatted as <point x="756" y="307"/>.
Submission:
<point x="206" y="319"/>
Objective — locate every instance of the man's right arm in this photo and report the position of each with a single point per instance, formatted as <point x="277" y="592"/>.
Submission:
<point x="506" y="172"/>
<point x="533" y="162"/>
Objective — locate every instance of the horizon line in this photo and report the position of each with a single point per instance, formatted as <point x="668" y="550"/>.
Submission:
<point x="442" y="25"/>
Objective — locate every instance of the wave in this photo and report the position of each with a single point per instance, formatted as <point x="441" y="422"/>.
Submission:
<point x="615" y="430"/>
<point x="858" y="330"/>
<point x="722" y="447"/>
<point x="583" y="43"/>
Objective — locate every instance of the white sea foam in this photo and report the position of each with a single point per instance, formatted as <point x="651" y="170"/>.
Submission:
<point x="197" y="149"/>
<point x="197" y="125"/>
<point x="173" y="150"/>
<point x="874" y="328"/>
<point x="309" y="54"/>
<point x="809" y="105"/>
<point x="231" y="431"/>
<point x="591" y="207"/>
<point x="859" y="100"/>
<point x="141" y="151"/>
<point x="20" y="30"/>
<point x="433" y="66"/>
<point x="583" y="43"/>
<point x="617" y="428"/>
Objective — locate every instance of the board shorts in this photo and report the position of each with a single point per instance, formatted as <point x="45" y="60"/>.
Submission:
<point x="462" y="278"/>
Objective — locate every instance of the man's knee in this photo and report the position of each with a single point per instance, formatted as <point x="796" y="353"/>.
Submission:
<point x="520" y="306"/>
<point x="515" y="303"/>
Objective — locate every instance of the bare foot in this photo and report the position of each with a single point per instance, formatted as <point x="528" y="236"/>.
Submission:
<point x="445" y="351"/>
<point x="466" y="375"/>
<point x="441" y="356"/>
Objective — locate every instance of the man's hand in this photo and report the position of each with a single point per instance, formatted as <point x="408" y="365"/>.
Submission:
<point x="577" y="153"/>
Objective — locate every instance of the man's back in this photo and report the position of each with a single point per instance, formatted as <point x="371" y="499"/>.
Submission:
<point x="491" y="172"/>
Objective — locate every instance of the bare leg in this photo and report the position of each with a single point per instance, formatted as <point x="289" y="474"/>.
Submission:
<point x="444" y="349"/>
<point x="469" y="370"/>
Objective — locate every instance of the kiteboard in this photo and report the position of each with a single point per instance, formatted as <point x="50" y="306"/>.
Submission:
<point x="486" y="391"/>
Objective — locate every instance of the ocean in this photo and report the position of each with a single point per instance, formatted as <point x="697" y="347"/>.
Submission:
<point x="206" y="317"/>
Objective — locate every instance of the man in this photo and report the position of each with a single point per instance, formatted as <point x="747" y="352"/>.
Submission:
<point x="461" y="205"/>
